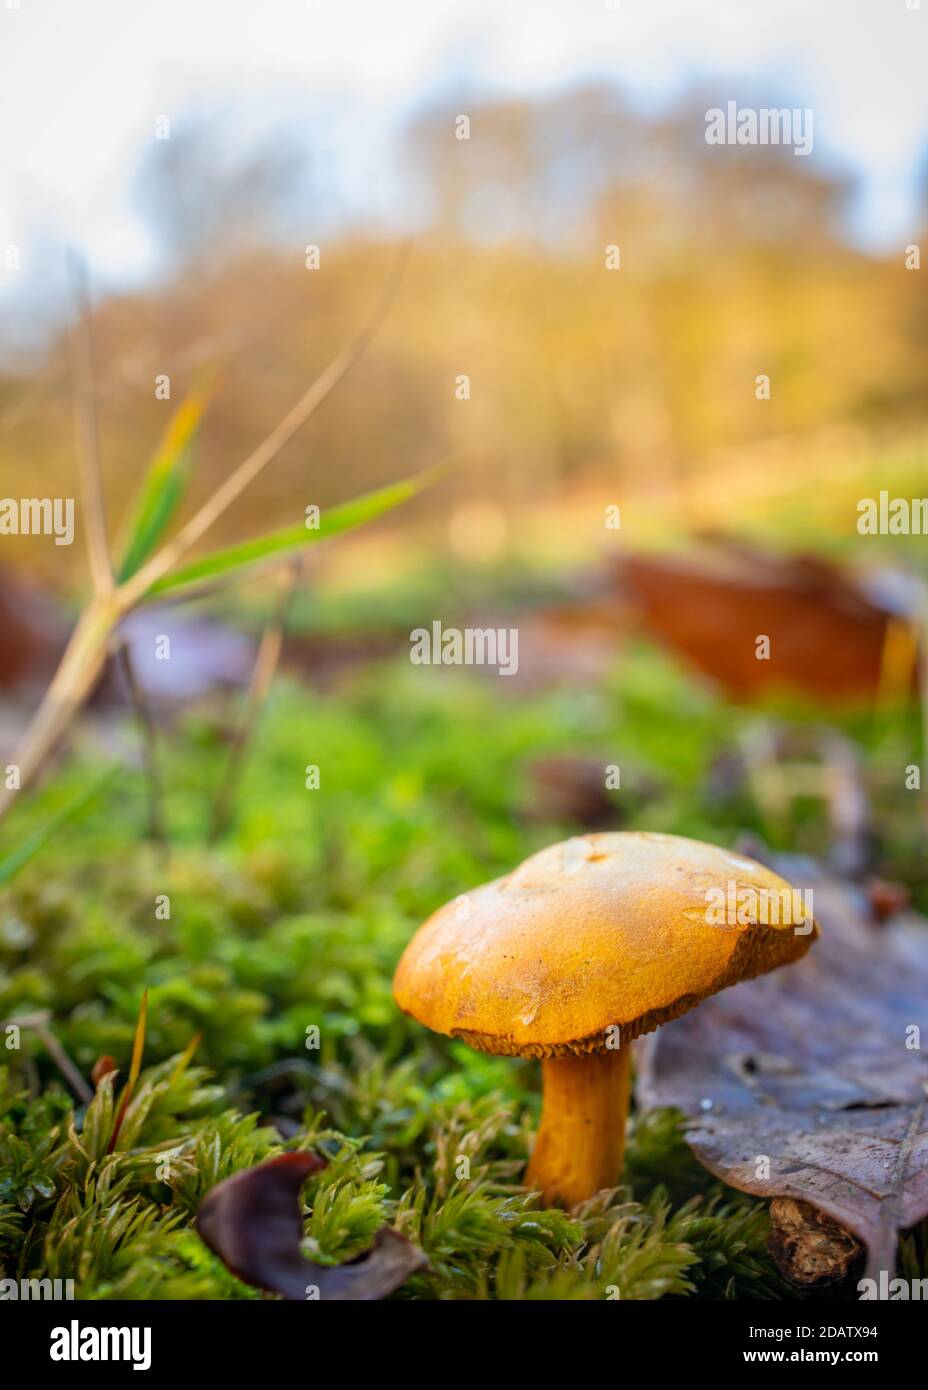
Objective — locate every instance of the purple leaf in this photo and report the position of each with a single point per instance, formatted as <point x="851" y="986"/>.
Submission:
<point x="253" y="1222"/>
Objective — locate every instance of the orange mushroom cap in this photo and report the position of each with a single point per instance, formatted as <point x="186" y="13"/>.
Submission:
<point x="597" y="934"/>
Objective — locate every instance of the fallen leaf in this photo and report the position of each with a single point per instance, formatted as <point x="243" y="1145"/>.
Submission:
<point x="827" y="627"/>
<point x="809" y="1068"/>
<point x="253" y="1222"/>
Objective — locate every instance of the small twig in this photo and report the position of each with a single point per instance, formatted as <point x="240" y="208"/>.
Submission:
<point x="149" y="740"/>
<point x="67" y="1068"/>
<point x="88" y="445"/>
<point x="259" y="686"/>
<point x="38" y="1022"/>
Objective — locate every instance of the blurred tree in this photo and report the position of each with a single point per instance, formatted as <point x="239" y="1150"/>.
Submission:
<point x="733" y="263"/>
<point x="207" y="196"/>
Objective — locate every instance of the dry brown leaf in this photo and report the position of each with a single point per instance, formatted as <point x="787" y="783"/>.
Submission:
<point x="827" y="632"/>
<point x="253" y="1222"/>
<point x="813" y="1068"/>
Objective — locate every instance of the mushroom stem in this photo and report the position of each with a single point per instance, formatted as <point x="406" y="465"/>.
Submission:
<point x="581" y="1140"/>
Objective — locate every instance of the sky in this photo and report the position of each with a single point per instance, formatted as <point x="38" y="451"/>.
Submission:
<point x="83" y="82"/>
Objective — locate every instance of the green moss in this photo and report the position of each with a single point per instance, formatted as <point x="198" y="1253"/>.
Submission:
<point x="294" y="924"/>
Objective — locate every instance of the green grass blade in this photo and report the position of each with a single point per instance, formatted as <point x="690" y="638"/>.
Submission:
<point x="337" y="519"/>
<point x="164" y="485"/>
<point x="18" y="858"/>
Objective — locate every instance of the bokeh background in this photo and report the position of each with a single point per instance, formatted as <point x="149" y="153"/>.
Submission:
<point x="332" y="124"/>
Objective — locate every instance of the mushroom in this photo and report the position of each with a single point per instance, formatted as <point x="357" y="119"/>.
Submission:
<point x="584" y="947"/>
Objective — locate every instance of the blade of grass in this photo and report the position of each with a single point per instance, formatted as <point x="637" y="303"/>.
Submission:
<point x="344" y="517"/>
<point x="149" y="739"/>
<point x="186" y="1057"/>
<point x="165" y="559"/>
<point x="34" y="843"/>
<point x="135" y="1067"/>
<point x="88" y="447"/>
<point x="165" y="483"/>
